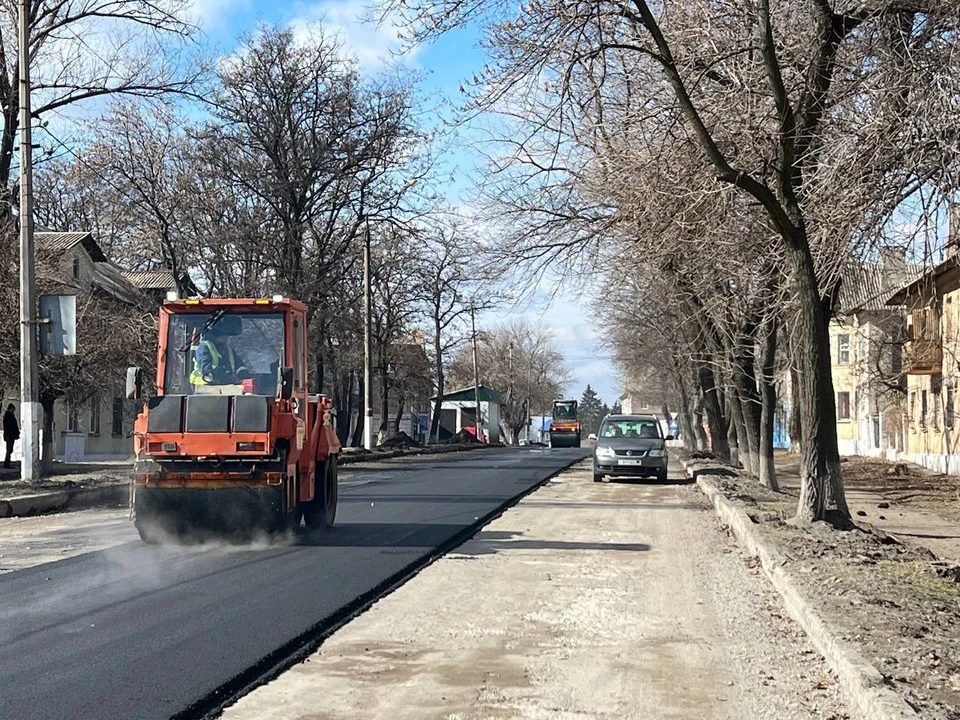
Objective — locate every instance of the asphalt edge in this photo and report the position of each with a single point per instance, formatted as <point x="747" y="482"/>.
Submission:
<point x="297" y="650"/>
<point x="362" y="456"/>
<point x="864" y="686"/>
<point x="118" y="493"/>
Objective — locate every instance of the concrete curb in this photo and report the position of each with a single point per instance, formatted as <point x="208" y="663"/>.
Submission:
<point x="43" y="503"/>
<point x="73" y="499"/>
<point x="866" y="691"/>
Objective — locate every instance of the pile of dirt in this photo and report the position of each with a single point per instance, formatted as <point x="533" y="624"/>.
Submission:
<point x="464" y="437"/>
<point x="897" y="602"/>
<point x="399" y="440"/>
<point x="68" y="477"/>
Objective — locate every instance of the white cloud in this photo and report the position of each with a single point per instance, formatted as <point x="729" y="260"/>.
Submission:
<point x="372" y="45"/>
<point x="213" y="14"/>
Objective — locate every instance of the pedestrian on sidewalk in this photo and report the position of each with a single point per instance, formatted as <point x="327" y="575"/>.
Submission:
<point x="11" y="433"/>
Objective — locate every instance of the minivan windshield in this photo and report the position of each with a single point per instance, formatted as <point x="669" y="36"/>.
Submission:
<point x="236" y="347"/>
<point x="648" y="429"/>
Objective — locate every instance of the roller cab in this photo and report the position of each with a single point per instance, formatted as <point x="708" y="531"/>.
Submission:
<point x="565" y="427"/>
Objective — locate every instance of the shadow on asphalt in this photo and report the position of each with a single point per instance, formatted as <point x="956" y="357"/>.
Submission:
<point x="613" y="505"/>
<point x="417" y="535"/>
<point x="346" y="498"/>
<point x="492" y="542"/>
<point x="385" y="535"/>
<point x="621" y="480"/>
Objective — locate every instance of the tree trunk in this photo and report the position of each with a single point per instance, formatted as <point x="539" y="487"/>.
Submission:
<point x="357" y="439"/>
<point x="820" y="477"/>
<point x="401" y="401"/>
<point x="703" y="442"/>
<point x="665" y="411"/>
<point x="768" y="405"/>
<point x="736" y="435"/>
<point x="749" y="402"/>
<point x="794" y="429"/>
<point x="344" y="407"/>
<point x="46" y="440"/>
<point x="384" y="404"/>
<point x="687" y="433"/>
<point x="711" y="402"/>
<point x="438" y="403"/>
<point x="319" y="369"/>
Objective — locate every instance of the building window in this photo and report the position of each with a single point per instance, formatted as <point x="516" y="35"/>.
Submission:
<point x="843" y="343"/>
<point x="913" y="409"/>
<point x="116" y="421"/>
<point x="94" y="415"/>
<point x="76" y="268"/>
<point x="843" y="406"/>
<point x="948" y="409"/>
<point x="73" y="417"/>
<point x="923" y="408"/>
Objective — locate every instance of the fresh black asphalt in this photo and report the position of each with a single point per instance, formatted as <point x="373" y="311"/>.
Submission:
<point x="138" y="631"/>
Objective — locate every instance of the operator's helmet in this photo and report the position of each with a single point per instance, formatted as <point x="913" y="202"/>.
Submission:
<point x="227" y="325"/>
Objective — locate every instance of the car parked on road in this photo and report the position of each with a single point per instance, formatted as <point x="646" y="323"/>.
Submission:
<point x="630" y="446"/>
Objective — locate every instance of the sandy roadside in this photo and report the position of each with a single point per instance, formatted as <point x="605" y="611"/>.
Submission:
<point x="585" y="600"/>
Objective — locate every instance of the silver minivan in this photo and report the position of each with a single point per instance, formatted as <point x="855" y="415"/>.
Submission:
<point x="630" y="446"/>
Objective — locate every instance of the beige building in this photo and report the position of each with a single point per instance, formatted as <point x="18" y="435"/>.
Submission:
<point x="97" y="428"/>
<point x="932" y="366"/>
<point x="865" y="340"/>
<point x="633" y="402"/>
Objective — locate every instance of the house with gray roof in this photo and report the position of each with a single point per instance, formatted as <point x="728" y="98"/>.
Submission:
<point x="866" y="340"/>
<point x="73" y="263"/>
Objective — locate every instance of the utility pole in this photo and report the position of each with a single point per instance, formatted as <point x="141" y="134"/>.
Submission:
<point x="29" y="405"/>
<point x="510" y="391"/>
<point x="476" y="371"/>
<point x="367" y="359"/>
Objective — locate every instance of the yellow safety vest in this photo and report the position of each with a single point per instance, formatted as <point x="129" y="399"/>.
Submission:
<point x="196" y="377"/>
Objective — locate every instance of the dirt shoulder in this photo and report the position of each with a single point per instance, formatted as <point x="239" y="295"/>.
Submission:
<point x="909" y="501"/>
<point x="893" y="597"/>
<point x="67" y="476"/>
<point x="600" y="600"/>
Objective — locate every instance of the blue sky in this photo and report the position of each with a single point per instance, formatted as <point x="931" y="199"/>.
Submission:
<point x="445" y="64"/>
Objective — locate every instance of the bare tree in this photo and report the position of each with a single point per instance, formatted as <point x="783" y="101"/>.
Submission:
<point x="83" y="50"/>
<point x="452" y="283"/>
<point x="522" y="363"/>
<point x="784" y="133"/>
